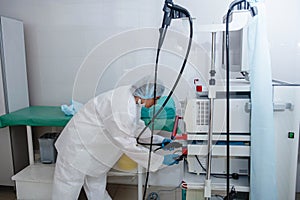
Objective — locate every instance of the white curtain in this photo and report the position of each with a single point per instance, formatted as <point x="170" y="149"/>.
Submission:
<point x="263" y="184"/>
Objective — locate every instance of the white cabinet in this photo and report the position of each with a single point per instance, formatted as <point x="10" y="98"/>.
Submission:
<point x="286" y="125"/>
<point x="13" y="96"/>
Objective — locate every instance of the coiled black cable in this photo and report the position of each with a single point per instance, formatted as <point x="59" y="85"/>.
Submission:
<point x="163" y="32"/>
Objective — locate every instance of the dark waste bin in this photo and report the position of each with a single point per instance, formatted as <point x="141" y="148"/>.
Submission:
<point x="48" y="152"/>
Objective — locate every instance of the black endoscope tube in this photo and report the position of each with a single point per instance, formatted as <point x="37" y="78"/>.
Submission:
<point x="227" y="105"/>
<point x="161" y="39"/>
<point x="174" y="86"/>
<point x="232" y="5"/>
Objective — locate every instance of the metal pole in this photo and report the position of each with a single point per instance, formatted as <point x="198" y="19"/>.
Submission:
<point x="212" y="82"/>
<point x="140" y="182"/>
<point x="30" y="145"/>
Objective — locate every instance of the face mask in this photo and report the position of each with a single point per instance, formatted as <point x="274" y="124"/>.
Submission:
<point x="140" y="103"/>
<point x="140" y="107"/>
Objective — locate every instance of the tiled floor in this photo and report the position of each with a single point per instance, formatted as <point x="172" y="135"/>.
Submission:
<point x="129" y="192"/>
<point x="117" y="192"/>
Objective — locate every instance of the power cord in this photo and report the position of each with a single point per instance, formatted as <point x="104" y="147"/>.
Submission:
<point x="232" y="194"/>
<point x="233" y="175"/>
<point x="153" y="196"/>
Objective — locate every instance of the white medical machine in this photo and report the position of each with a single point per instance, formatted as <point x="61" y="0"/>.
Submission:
<point x="286" y="98"/>
<point x="197" y="119"/>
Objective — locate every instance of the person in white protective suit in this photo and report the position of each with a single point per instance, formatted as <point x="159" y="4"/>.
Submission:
<point x="97" y="136"/>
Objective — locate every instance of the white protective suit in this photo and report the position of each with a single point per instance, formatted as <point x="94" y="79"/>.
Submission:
<point x="94" y="140"/>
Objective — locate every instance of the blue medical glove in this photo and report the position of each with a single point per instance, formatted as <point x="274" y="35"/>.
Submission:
<point x="165" y="142"/>
<point x="170" y="159"/>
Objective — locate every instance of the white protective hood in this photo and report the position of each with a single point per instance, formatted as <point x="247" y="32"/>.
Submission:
<point x="102" y="131"/>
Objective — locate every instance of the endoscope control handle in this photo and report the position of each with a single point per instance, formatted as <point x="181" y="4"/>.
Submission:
<point x="175" y="127"/>
<point x="179" y="158"/>
<point x="182" y="156"/>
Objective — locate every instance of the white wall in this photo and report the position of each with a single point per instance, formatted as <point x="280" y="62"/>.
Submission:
<point x="284" y="36"/>
<point x="60" y="34"/>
